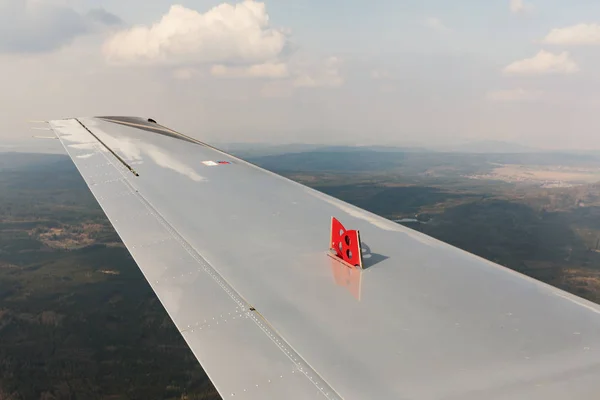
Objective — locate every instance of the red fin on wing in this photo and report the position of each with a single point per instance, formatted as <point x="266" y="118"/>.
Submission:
<point x="345" y="243"/>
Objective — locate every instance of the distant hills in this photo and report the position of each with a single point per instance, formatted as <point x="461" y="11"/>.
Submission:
<point x="251" y="150"/>
<point x="469" y="147"/>
<point x="486" y="147"/>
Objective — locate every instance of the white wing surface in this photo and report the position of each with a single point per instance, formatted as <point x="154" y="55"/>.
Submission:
<point x="238" y="257"/>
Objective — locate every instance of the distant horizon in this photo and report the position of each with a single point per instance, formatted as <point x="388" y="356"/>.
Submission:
<point x="51" y="146"/>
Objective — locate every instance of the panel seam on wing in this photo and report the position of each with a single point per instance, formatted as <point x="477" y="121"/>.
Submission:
<point x="301" y="364"/>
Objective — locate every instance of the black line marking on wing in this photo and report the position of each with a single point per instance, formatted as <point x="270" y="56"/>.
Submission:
<point x="133" y="171"/>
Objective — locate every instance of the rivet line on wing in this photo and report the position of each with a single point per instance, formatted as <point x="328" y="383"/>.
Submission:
<point x="214" y="321"/>
<point x="94" y="177"/>
<point x="105" y="183"/>
<point x="117" y="196"/>
<point x="300" y="364"/>
<point x="134" y="216"/>
<point x="258" y="385"/>
<point x="204" y="265"/>
<point x="152" y="243"/>
<point x="94" y="166"/>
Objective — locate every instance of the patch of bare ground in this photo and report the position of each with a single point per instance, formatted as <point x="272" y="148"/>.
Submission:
<point x="6" y="265"/>
<point x="68" y="236"/>
<point x="109" y="272"/>
<point x="582" y="281"/>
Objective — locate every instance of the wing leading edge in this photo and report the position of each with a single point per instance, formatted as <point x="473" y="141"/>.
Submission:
<point x="237" y="256"/>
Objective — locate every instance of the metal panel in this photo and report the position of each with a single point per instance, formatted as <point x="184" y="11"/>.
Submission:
<point x="193" y="293"/>
<point x="424" y="320"/>
<point x="256" y="364"/>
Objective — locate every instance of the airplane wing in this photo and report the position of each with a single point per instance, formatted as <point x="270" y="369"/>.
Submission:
<point x="239" y="258"/>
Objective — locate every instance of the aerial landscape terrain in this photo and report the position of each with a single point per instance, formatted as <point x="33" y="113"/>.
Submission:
<point x="357" y="200"/>
<point x="79" y="321"/>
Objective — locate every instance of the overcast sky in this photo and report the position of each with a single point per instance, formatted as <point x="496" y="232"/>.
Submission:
<point x="310" y="71"/>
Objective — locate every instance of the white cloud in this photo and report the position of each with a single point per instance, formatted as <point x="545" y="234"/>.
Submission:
<point x="436" y="24"/>
<point x="582" y="34"/>
<point x="543" y="62"/>
<point x="225" y="34"/>
<point x="514" y="95"/>
<point x="520" y="7"/>
<point x="31" y="26"/>
<point x="305" y="72"/>
<point x="326" y="74"/>
<point x="266" y="70"/>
